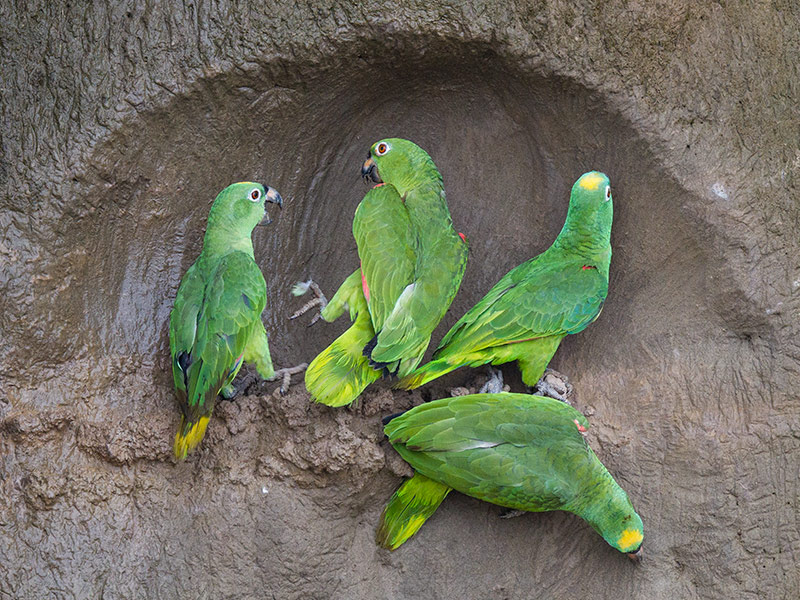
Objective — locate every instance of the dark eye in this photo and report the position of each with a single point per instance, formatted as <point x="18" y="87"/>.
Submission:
<point x="608" y="193"/>
<point x="255" y="194"/>
<point x="382" y="149"/>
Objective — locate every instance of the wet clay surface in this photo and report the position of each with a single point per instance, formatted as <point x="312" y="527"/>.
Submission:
<point x="116" y="138"/>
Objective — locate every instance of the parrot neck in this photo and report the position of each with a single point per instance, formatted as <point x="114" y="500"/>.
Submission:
<point x="223" y="238"/>
<point x="588" y="238"/>
<point x="423" y="175"/>
<point x="606" y="507"/>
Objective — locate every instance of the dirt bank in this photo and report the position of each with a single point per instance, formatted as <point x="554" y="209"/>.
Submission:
<point x="120" y="126"/>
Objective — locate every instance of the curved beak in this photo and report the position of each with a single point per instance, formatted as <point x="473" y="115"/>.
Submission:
<point x="369" y="171"/>
<point x="274" y="197"/>
<point x="636" y="557"/>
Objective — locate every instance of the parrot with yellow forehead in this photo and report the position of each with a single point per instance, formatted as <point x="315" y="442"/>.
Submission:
<point x="412" y="262"/>
<point x="215" y="324"/>
<point x="522" y="452"/>
<point x="534" y="306"/>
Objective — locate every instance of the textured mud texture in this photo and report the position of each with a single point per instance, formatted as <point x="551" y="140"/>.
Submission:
<point x="121" y="121"/>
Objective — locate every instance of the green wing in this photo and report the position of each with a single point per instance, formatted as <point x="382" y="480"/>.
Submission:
<point x="386" y="246"/>
<point x="441" y="259"/>
<point x="510" y="449"/>
<point x="210" y="325"/>
<point x="183" y="324"/>
<point x="536" y="299"/>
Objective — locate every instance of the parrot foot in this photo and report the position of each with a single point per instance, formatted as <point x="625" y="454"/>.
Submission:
<point x="300" y="288"/>
<point x="285" y="375"/>
<point x="555" y="385"/>
<point x="510" y="513"/>
<point x="495" y="383"/>
<point x="228" y="391"/>
<point x="459" y="391"/>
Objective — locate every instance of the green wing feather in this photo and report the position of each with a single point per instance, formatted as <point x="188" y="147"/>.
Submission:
<point x="440" y="262"/>
<point x="483" y="420"/>
<point x="536" y="299"/>
<point x="408" y="509"/>
<point x="510" y="449"/>
<point x="386" y="245"/>
<point x="183" y="324"/>
<point x="210" y="326"/>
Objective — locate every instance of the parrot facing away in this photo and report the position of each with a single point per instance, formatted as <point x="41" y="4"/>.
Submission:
<point x="514" y="450"/>
<point x="528" y="312"/>
<point x="412" y="262"/>
<point x="215" y="324"/>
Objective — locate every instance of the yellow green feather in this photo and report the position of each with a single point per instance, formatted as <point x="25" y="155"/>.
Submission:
<point x="189" y="436"/>
<point x="413" y="502"/>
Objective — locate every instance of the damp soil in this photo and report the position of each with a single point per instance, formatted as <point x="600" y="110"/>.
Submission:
<point x="116" y="139"/>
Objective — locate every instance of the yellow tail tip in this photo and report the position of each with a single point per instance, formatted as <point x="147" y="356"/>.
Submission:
<point x="411" y="381"/>
<point x="392" y="537"/>
<point x="408" y="509"/>
<point x="187" y="440"/>
<point x="406" y="383"/>
<point x="338" y="375"/>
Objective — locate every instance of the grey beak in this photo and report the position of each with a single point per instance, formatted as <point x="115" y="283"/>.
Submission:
<point x="274" y="197"/>
<point x="369" y="171"/>
<point x="636" y="556"/>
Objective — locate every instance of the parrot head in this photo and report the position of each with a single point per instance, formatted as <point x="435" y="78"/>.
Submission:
<point x="592" y="192"/>
<point x="623" y="529"/>
<point x="241" y="206"/>
<point x="397" y="162"/>
<point x="590" y="211"/>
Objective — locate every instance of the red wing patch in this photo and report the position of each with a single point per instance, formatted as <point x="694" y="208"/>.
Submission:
<point x="463" y="237"/>
<point x="236" y="364"/>
<point x="364" y="286"/>
<point x="587" y="267"/>
<point x="377" y="185"/>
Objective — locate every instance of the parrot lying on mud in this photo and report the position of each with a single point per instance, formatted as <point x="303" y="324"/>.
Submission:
<point x="412" y="262"/>
<point x="215" y="323"/>
<point x="518" y="451"/>
<point x="529" y="311"/>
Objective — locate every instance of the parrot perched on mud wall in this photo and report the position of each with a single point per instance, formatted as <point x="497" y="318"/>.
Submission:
<point x="215" y="323"/>
<point x="528" y="312"/>
<point x="412" y="262"/>
<point x="515" y="450"/>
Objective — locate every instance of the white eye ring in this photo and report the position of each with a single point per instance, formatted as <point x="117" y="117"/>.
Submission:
<point x="608" y="193"/>
<point x="381" y="149"/>
<point x="254" y="195"/>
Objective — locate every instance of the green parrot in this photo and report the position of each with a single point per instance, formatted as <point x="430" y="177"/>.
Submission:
<point x="528" y="312"/>
<point x="412" y="262"/>
<point x="515" y="450"/>
<point x="215" y="323"/>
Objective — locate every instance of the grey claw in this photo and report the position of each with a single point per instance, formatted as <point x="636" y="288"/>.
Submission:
<point x="285" y="376"/>
<point x="495" y="383"/>
<point x="555" y="385"/>
<point x="301" y="288"/>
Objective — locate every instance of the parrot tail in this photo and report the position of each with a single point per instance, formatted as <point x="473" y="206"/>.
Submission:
<point x="341" y="372"/>
<point x="425" y="373"/>
<point x="413" y="502"/>
<point x="189" y="435"/>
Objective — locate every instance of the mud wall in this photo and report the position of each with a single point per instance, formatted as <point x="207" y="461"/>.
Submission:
<point x="120" y="122"/>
